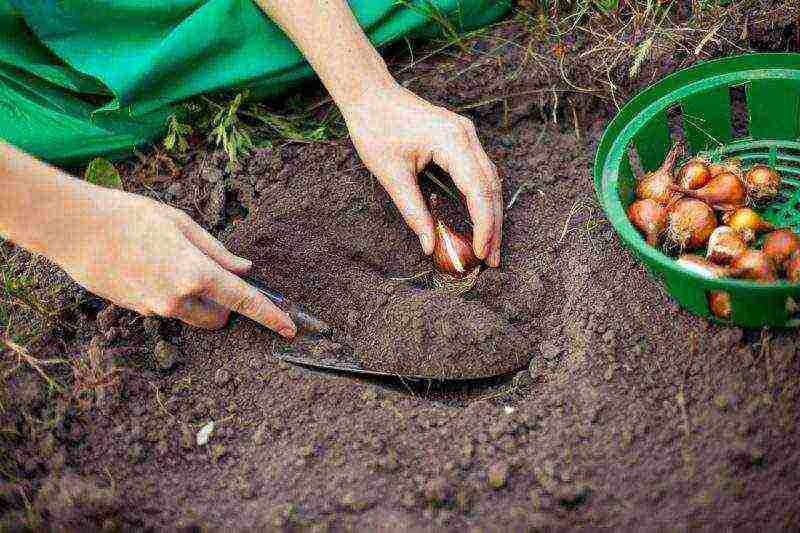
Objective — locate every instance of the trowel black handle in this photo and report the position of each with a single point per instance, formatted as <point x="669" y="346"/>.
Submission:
<point x="302" y="318"/>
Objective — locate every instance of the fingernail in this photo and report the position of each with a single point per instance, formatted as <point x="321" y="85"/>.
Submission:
<point x="287" y="332"/>
<point x="245" y="264"/>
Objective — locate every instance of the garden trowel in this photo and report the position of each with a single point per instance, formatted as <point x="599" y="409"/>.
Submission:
<point x="314" y="348"/>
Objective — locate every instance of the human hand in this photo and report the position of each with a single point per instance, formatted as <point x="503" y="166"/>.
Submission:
<point x="155" y="259"/>
<point x="396" y="133"/>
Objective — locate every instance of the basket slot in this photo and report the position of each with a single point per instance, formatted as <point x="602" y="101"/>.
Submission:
<point x="626" y="182"/>
<point x="653" y="141"/>
<point x="707" y="119"/>
<point x="774" y="109"/>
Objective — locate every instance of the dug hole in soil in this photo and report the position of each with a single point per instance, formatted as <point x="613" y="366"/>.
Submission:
<point x="632" y="413"/>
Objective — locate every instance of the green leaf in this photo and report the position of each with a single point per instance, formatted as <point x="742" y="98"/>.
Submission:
<point x="101" y="172"/>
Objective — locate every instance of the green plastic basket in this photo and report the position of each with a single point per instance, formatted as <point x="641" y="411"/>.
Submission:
<point x="703" y="96"/>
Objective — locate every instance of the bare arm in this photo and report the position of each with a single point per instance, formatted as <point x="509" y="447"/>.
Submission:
<point x="395" y="132"/>
<point x="136" y="252"/>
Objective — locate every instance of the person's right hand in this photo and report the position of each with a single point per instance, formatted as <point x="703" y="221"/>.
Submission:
<point x="155" y="259"/>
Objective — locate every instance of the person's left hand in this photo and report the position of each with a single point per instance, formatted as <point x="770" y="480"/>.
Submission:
<point x="397" y="133"/>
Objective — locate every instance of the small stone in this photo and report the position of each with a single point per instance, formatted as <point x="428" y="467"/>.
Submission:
<point x="262" y="434"/>
<point x="205" y="433"/>
<point x="369" y="395"/>
<point x="437" y="490"/>
<point x="497" y="475"/>
<point x="166" y="355"/>
<point x="222" y="377"/>
<point x="152" y="326"/>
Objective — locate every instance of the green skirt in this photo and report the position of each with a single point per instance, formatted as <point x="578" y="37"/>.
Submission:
<point x="83" y="78"/>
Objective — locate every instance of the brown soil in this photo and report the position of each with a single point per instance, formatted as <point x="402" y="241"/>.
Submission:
<point x="633" y="413"/>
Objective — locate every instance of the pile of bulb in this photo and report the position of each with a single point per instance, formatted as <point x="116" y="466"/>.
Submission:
<point x="706" y="205"/>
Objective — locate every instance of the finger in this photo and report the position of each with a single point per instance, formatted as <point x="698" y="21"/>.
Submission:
<point x="490" y="173"/>
<point x="202" y="313"/>
<point x="237" y="295"/>
<point x="211" y="246"/>
<point x="497" y="239"/>
<point x="459" y="159"/>
<point x="405" y="193"/>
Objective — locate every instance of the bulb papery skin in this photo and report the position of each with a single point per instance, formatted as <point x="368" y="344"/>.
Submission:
<point x="780" y="245"/>
<point x="649" y="217"/>
<point x="694" y="174"/>
<point x="724" y="245"/>
<point x="452" y="251"/>
<point x="725" y="191"/>
<point x="762" y="183"/>
<point x="690" y="223"/>
<point x="656" y="185"/>
<point x="754" y="265"/>
<point x="747" y="222"/>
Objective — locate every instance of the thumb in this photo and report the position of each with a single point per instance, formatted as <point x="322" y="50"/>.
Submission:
<point x="406" y="195"/>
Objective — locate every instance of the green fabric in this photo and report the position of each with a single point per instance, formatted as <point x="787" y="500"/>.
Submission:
<point x="81" y="78"/>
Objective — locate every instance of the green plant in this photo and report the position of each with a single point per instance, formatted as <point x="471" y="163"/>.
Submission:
<point x="102" y="172"/>
<point x="175" y="141"/>
<point x="18" y="292"/>
<point x="298" y="126"/>
<point x="226" y="128"/>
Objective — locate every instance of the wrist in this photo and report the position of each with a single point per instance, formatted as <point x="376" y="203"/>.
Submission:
<point x="371" y="97"/>
<point x="373" y="79"/>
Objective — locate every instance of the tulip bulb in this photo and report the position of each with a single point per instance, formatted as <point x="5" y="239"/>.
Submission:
<point x="793" y="268"/>
<point x="703" y="267"/>
<point x="719" y="303"/>
<point x="694" y="174"/>
<point x="747" y="222"/>
<point x="725" y="191"/>
<point x="656" y="185"/>
<point x="690" y="223"/>
<point x="452" y="252"/>
<point x="762" y="183"/>
<point x="734" y="166"/>
<point x="649" y="217"/>
<point x="724" y="245"/>
<point x="780" y="245"/>
<point x="754" y="265"/>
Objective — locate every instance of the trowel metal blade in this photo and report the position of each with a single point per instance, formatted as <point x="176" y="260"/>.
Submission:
<point x="297" y="357"/>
